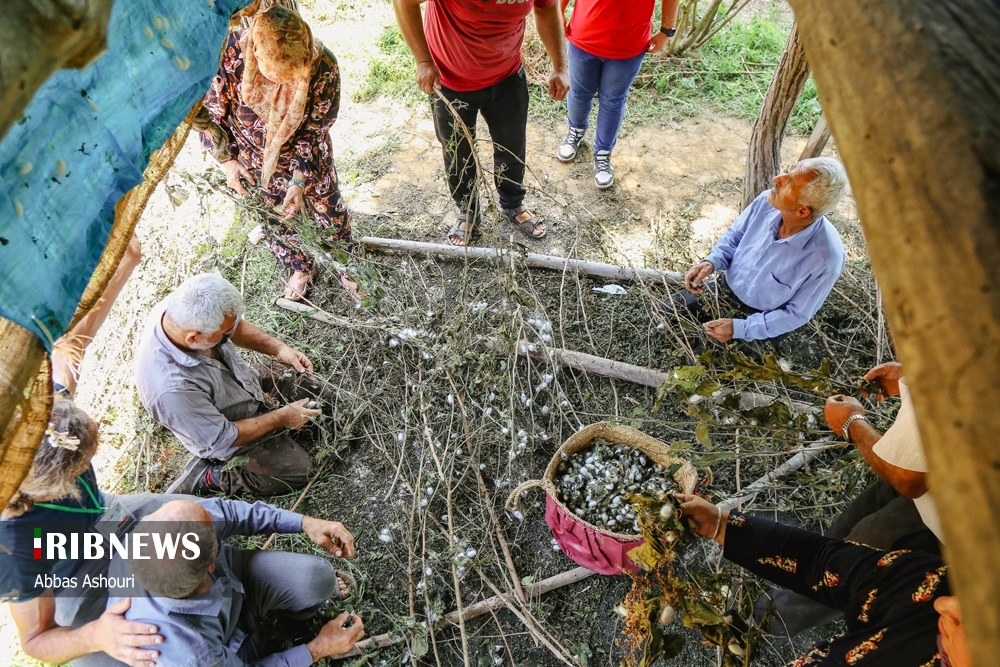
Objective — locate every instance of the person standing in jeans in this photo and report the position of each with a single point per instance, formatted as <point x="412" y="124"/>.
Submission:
<point x="468" y="55"/>
<point x="607" y="42"/>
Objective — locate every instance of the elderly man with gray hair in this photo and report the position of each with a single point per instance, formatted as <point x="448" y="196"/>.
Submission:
<point x="192" y="380"/>
<point x="209" y="605"/>
<point x="780" y="255"/>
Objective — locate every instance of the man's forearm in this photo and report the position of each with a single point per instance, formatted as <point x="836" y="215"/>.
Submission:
<point x="411" y="25"/>
<point x="252" y="429"/>
<point x="549" y="23"/>
<point x="251" y="337"/>
<point x="668" y="13"/>
<point x="907" y="482"/>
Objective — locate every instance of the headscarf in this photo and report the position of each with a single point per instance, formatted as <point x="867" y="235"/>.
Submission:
<point x="283" y="42"/>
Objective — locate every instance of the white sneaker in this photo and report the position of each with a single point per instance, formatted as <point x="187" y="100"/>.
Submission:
<point x="570" y="145"/>
<point x="604" y="171"/>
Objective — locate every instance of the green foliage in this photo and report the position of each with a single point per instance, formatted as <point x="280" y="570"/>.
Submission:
<point x="392" y="72"/>
<point x="731" y="73"/>
<point x="701" y="597"/>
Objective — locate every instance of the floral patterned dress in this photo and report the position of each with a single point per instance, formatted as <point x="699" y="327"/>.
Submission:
<point x="887" y="596"/>
<point x="309" y="151"/>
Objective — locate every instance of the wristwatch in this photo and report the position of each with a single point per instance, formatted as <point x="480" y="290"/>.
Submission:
<point x="845" y="430"/>
<point x="669" y="32"/>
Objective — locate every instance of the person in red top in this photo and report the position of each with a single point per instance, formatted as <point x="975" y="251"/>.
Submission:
<point x="468" y="55"/>
<point x="607" y="42"/>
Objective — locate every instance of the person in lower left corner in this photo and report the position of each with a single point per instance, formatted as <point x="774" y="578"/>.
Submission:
<point x="193" y="381"/>
<point x="210" y="609"/>
<point x="898" y="605"/>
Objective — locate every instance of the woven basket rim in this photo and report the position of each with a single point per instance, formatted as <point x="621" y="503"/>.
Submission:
<point x="617" y="434"/>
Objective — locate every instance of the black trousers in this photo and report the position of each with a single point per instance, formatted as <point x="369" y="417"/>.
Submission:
<point x="886" y="598"/>
<point x="880" y="518"/>
<point x="505" y="109"/>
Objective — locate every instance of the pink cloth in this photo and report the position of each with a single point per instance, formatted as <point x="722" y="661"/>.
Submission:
<point x="586" y="546"/>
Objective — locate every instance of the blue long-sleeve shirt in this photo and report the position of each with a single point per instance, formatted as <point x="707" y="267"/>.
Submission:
<point x="202" y="631"/>
<point x="787" y="280"/>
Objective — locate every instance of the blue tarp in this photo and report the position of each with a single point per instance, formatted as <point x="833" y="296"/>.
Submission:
<point x="85" y="140"/>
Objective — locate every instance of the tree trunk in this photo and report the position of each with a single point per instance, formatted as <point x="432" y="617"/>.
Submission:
<point x="37" y="37"/>
<point x="911" y="89"/>
<point x="764" y="155"/>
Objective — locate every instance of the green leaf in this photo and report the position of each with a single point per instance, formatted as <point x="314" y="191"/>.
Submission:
<point x="701" y="432"/>
<point x="418" y="644"/>
<point x="707" y="388"/>
<point x="712" y="458"/>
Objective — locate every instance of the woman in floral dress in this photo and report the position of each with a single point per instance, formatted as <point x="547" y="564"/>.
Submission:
<point x="276" y="96"/>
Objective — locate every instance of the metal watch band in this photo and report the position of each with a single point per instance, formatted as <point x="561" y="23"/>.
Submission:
<point x="845" y="430"/>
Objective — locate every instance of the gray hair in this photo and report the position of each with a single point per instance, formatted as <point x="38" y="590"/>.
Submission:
<point x="175" y="577"/>
<point x="827" y="186"/>
<point x="63" y="455"/>
<point x="202" y="302"/>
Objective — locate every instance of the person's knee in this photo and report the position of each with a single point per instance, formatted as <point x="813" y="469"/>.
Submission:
<point x="321" y="578"/>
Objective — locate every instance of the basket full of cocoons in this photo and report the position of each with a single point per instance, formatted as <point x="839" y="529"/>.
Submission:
<point x="587" y="485"/>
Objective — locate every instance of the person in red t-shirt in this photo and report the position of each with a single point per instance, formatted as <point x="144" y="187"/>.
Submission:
<point x="607" y="42"/>
<point x="468" y="55"/>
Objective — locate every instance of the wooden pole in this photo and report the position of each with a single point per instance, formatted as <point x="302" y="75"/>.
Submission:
<point x="533" y="260"/>
<point x="580" y="361"/>
<point x="817" y="140"/>
<point x="911" y="89"/>
<point x="472" y="611"/>
<point x="794" y="463"/>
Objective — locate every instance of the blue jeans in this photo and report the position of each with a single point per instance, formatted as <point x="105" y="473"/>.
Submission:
<point x="612" y="79"/>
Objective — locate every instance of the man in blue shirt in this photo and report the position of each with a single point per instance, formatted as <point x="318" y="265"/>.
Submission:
<point x="780" y="255"/>
<point x="209" y="609"/>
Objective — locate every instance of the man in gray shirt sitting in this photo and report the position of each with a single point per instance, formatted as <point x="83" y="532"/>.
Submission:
<point x="209" y="609"/>
<point x="192" y="380"/>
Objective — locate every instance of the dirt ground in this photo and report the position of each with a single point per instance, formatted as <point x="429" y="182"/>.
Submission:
<point x="678" y="186"/>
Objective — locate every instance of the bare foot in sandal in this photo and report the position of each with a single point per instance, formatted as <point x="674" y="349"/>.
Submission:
<point x="461" y="231"/>
<point x="297" y="286"/>
<point x="526" y="222"/>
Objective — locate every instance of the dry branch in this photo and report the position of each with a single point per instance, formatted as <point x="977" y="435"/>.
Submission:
<point x="580" y="361"/>
<point x="791" y="465"/>
<point x="480" y="608"/>
<point x="530" y="259"/>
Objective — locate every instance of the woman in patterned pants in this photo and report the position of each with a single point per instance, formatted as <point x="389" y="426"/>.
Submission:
<point x="275" y="98"/>
<point x="897" y="605"/>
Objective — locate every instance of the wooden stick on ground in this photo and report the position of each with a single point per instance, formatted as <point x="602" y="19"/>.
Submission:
<point x="791" y="465"/>
<point x="472" y="611"/>
<point x="531" y="259"/>
<point x="579" y="360"/>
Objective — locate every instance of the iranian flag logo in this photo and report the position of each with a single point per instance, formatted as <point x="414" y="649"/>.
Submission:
<point x="38" y="544"/>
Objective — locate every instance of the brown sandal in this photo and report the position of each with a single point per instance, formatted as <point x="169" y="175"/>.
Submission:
<point x="526" y="227"/>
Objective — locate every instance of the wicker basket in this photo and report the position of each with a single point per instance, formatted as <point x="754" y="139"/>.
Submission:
<point x="603" y="551"/>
